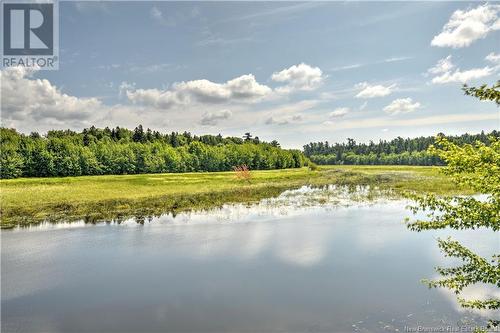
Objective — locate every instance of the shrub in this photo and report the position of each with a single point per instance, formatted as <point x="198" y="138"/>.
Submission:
<point x="242" y="172"/>
<point x="312" y="166"/>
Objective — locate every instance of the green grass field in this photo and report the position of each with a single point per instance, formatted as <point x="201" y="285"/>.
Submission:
<point x="95" y="198"/>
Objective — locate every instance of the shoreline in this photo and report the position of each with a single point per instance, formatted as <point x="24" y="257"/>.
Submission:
<point x="99" y="198"/>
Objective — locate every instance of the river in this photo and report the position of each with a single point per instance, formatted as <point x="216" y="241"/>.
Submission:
<point x="291" y="264"/>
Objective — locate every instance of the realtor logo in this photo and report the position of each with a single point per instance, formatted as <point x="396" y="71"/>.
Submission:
<point x="30" y="34"/>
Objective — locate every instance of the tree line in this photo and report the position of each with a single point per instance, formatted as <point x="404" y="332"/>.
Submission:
<point x="96" y="151"/>
<point x="399" y="151"/>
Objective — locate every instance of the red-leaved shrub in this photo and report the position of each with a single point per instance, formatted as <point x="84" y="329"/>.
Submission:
<point x="242" y="172"/>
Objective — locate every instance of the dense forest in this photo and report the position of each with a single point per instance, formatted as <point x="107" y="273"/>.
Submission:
<point x="97" y="151"/>
<point x="398" y="151"/>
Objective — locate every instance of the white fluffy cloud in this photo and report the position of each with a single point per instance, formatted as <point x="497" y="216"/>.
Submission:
<point x="463" y="76"/>
<point x="466" y="26"/>
<point x="212" y="118"/>
<point x="493" y="58"/>
<point x="401" y="105"/>
<point x="241" y="89"/>
<point x="29" y="103"/>
<point x="156" y="14"/>
<point x="299" y="77"/>
<point x="444" y="65"/>
<point x="446" y="72"/>
<point x="273" y="120"/>
<point x="244" y="88"/>
<point x="371" y="91"/>
<point x="339" y="112"/>
<point x="26" y="98"/>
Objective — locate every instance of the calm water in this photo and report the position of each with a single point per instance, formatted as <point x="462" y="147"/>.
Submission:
<point x="285" y="265"/>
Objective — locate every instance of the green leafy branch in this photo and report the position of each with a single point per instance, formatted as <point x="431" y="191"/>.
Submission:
<point x="477" y="167"/>
<point x="484" y="92"/>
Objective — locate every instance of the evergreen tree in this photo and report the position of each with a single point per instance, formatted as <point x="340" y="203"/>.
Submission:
<point x="138" y="134"/>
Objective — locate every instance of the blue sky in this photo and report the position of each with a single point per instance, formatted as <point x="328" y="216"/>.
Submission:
<point x="295" y="72"/>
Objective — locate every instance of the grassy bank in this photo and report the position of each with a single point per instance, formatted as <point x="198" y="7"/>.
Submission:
<point x="95" y="198"/>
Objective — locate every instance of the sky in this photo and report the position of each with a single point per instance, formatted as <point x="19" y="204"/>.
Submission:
<point x="292" y="71"/>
